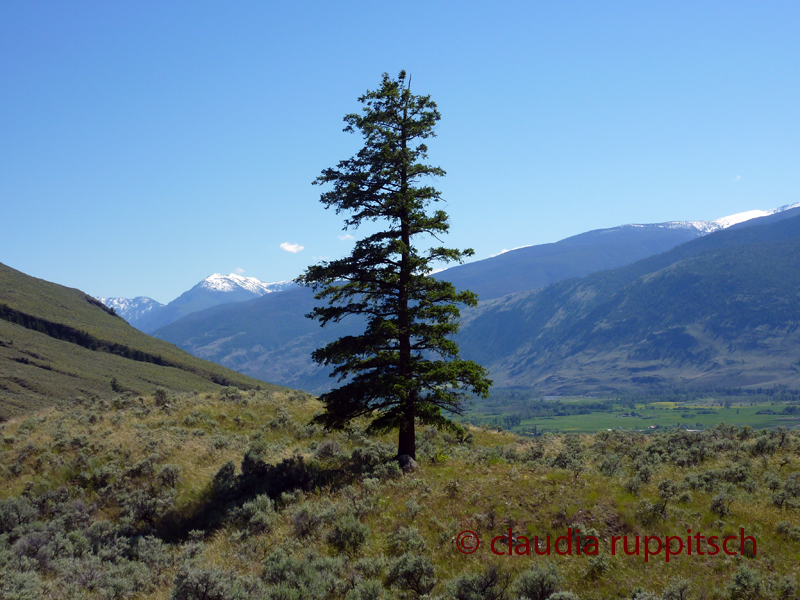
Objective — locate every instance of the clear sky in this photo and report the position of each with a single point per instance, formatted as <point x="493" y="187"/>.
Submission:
<point x="146" y="145"/>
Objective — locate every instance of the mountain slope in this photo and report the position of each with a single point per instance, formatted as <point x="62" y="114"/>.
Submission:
<point x="722" y="310"/>
<point x="269" y="337"/>
<point x="57" y="343"/>
<point x="535" y="267"/>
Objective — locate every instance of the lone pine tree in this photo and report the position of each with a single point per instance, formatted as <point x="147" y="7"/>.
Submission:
<point x="404" y="367"/>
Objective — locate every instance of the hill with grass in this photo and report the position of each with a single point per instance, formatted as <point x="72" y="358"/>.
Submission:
<point x="235" y="495"/>
<point x="57" y="343"/>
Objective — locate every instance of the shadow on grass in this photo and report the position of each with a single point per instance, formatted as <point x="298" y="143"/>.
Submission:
<point x="228" y="491"/>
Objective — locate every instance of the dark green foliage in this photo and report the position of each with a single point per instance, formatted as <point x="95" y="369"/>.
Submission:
<point x="390" y="373"/>
<point x="538" y="582"/>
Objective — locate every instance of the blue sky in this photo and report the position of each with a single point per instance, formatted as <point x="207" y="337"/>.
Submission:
<point x="146" y="145"/>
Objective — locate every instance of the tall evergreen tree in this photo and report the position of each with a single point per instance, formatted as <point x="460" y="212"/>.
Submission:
<point x="404" y="367"/>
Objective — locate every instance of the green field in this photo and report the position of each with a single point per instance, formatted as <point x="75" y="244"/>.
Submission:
<point x="639" y="416"/>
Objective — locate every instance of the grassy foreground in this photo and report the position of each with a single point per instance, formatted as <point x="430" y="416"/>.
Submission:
<point x="235" y="495"/>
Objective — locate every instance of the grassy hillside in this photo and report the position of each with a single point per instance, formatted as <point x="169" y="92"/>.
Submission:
<point x="57" y="343"/>
<point x="236" y="496"/>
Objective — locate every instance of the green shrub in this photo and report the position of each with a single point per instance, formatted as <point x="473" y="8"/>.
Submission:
<point x="370" y="589"/>
<point x="490" y="584"/>
<point x="677" y="589"/>
<point x="169" y="475"/>
<point x="413" y="575"/>
<point x="745" y="585"/>
<point x="539" y="582"/>
<point x="195" y="583"/>
<point x="348" y="534"/>
<point x="256" y="516"/>
<point x="406" y="539"/>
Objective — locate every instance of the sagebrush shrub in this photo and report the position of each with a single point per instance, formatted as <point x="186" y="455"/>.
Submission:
<point x="412" y="574"/>
<point x="489" y="584"/>
<point x="348" y="534"/>
<point x="406" y="539"/>
<point x="538" y="582"/>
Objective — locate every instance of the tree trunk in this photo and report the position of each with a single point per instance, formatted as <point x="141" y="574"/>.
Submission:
<point x="407" y="442"/>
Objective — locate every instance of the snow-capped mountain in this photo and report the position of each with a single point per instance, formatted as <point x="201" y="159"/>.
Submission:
<point x="535" y="267"/>
<point x="705" y="227"/>
<point x="214" y="290"/>
<point x="232" y="282"/>
<point x="132" y="309"/>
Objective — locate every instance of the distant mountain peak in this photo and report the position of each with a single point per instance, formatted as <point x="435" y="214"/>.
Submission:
<point x="233" y="282"/>
<point x="729" y="221"/>
<point x="131" y="309"/>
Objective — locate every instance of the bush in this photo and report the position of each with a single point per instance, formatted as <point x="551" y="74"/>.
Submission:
<point x="161" y="396"/>
<point x="406" y="539"/>
<point x="782" y="588"/>
<point x="193" y="583"/>
<point x="490" y="584"/>
<point x="412" y="574"/>
<point x="721" y="504"/>
<point x="15" y="585"/>
<point x="256" y="516"/>
<point x="371" y="589"/>
<point x="169" y="475"/>
<point x="745" y="585"/>
<point x="677" y="589"/>
<point x="598" y="565"/>
<point x="310" y="578"/>
<point x="348" y="534"/>
<point x="539" y="582"/>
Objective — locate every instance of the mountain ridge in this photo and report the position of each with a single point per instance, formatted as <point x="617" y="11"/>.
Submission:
<point x="147" y="315"/>
<point x="271" y="338"/>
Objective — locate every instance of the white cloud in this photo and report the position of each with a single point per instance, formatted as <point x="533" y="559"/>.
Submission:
<point x="293" y="248"/>
<point x="503" y="251"/>
<point x="240" y="270"/>
<point x="346" y="236"/>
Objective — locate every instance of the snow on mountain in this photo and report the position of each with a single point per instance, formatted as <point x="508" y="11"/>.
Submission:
<point x="131" y="309"/>
<point x="705" y="227"/>
<point x="232" y="282"/>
